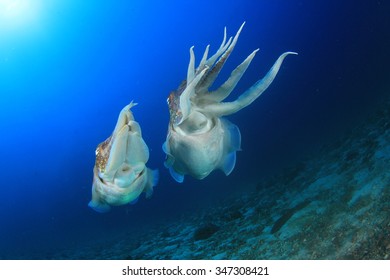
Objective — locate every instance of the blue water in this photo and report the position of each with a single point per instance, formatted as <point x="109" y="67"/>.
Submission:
<point x="68" y="67"/>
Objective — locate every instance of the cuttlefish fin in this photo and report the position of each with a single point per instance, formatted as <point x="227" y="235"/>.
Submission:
<point x="175" y="175"/>
<point x="153" y="177"/>
<point x="99" y="207"/>
<point x="134" y="201"/>
<point x="245" y="99"/>
<point x="96" y="203"/>
<point x="169" y="161"/>
<point x="234" y="140"/>
<point x="229" y="162"/>
<point x="170" y="158"/>
<point x="232" y="143"/>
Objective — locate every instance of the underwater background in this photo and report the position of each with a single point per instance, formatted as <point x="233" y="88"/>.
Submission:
<point x="311" y="181"/>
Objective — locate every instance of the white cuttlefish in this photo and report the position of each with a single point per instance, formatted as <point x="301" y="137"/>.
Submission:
<point x="120" y="173"/>
<point x="199" y="140"/>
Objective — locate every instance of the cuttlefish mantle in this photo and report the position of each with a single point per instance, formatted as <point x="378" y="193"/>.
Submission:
<point x="120" y="172"/>
<point x="199" y="139"/>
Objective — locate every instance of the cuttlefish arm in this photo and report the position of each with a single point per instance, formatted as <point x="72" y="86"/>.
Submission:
<point x="185" y="97"/>
<point x="120" y="172"/>
<point x="228" y="86"/>
<point x="222" y="54"/>
<point x="245" y="99"/>
<point x="199" y="140"/>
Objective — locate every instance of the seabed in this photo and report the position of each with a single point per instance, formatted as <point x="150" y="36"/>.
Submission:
<point x="335" y="205"/>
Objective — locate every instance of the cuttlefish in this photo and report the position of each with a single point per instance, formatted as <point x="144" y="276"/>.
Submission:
<point x="120" y="173"/>
<point x="199" y="139"/>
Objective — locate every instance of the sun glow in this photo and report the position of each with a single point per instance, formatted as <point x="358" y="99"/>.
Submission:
<point x="17" y="13"/>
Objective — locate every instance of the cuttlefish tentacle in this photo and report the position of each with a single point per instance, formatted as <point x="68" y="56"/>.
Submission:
<point x="204" y="58"/>
<point x="214" y="71"/>
<point x="185" y="97"/>
<point x="210" y="61"/>
<point x="191" y="66"/>
<point x="228" y="86"/>
<point x="120" y="172"/>
<point x="118" y="145"/>
<point x="245" y="99"/>
<point x="199" y="140"/>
